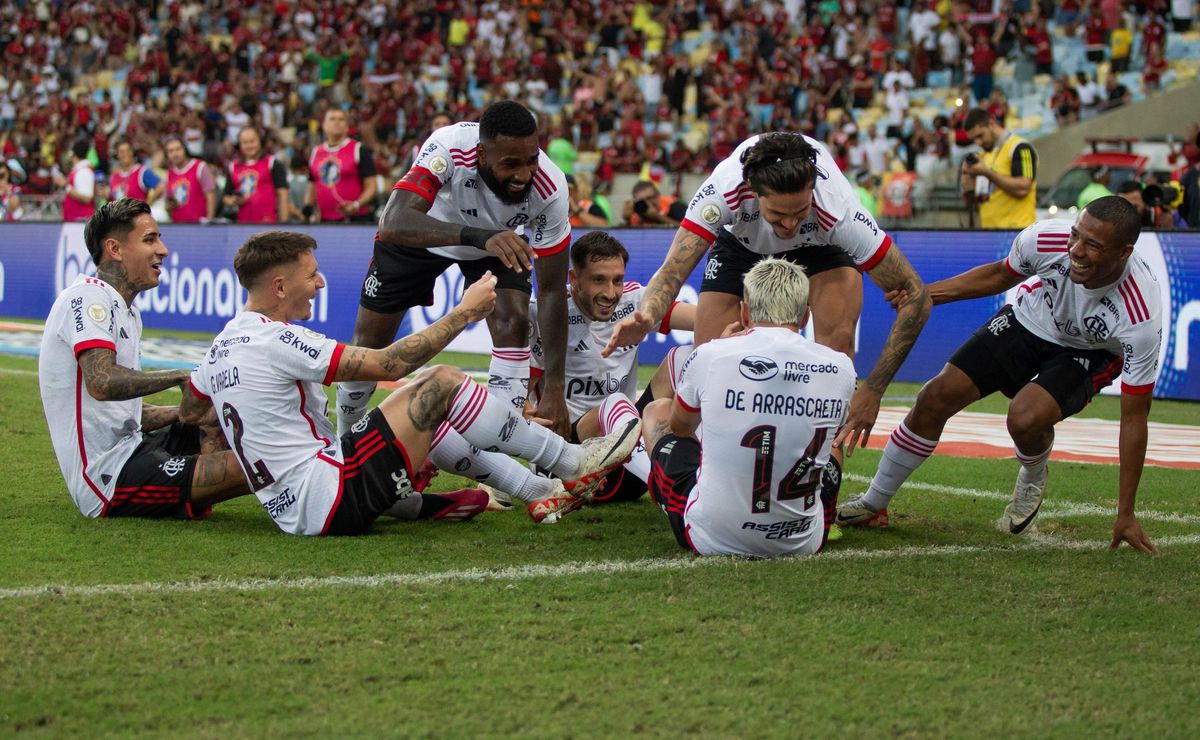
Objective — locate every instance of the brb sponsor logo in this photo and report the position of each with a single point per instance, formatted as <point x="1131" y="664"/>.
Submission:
<point x="758" y="368"/>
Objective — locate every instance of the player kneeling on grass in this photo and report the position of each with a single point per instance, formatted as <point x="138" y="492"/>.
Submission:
<point x="1090" y="312"/>
<point x="772" y="403"/>
<point x="263" y="376"/>
<point x="119" y="456"/>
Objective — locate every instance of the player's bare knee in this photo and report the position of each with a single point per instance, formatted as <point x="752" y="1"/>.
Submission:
<point x="447" y="378"/>
<point x="936" y="401"/>
<point x="841" y="341"/>
<point x="509" y="331"/>
<point x="1027" y="423"/>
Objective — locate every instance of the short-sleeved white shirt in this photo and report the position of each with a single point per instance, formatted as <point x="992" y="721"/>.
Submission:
<point x="1124" y="317"/>
<point x="837" y="217"/>
<point x="591" y="378"/>
<point x="446" y="174"/>
<point x="771" y="403"/>
<point x="92" y="439"/>
<point x="264" y="378"/>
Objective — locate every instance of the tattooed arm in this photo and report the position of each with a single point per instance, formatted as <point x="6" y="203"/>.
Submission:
<point x="157" y="417"/>
<point x="892" y="273"/>
<point x="686" y="251"/>
<point x="408" y="354"/>
<point x="200" y="412"/>
<point x="108" y="381"/>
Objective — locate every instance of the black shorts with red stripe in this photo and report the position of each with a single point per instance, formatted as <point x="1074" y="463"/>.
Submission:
<point x="376" y="473"/>
<point x="156" y="481"/>
<point x="674" y="463"/>
<point x="729" y="261"/>
<point x="399" y="278"/>
<point x="1004" y="356"/>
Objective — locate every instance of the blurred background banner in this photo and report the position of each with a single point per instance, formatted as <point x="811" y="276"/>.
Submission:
<point x="199" y="291"/>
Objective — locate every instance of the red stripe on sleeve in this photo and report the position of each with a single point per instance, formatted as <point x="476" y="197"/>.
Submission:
<point x="1008" y="265"/>
<point x="420" y="181"/>
<point x="876" y="258"/>
<point x="333" y="363"/>
<point x="94" y="344"/>
<point x="548" y="251"/>
<point x="683" y="404"/>
<point x="665" y="326"/>
<point x="698" y="230"/>
<point x="196" y="391"/>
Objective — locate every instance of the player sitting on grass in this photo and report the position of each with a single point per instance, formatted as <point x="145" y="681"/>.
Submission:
<point x="119" y="456"/>
<point x="1091" y="314"/>
<point x="771" y="402"/>
<point x="263" y="375"/>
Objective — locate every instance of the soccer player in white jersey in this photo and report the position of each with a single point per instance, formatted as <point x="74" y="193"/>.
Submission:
<point x="263" y="376"/>
<point x="1089" y="312"/>
<point x="771" y="402"/>
<point x="600" y="391"/>
<point x="782" y="194"/>
<point x="485" y="197"/>
<point x="118" y="455"/>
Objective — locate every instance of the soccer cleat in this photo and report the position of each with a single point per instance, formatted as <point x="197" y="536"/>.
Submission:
<point x="554" y="507"/>
<point x="497" y="500"/>
<point x="422" y="477"/>
<point x="856" y="513"/>
<point x="461" y="505"/>
<point x="601" y="456"/>
<point x="1025" y="504"/>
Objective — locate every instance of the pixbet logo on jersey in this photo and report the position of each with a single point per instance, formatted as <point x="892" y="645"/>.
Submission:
<point x="590" y="386"/>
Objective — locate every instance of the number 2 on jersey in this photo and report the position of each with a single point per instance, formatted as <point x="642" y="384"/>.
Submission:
<point x="258" y="474"/>
<point x="800" y="482"/>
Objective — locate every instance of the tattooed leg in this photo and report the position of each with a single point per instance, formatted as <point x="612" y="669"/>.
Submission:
<point x="216" y="478"/>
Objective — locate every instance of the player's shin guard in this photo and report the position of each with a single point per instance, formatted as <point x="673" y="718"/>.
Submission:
<point x="488" y="423"/>
<point x="508" y="376"/>
<point x="353" y="398"/>
<point x="904" y="453"/>
<point x="450" y="452"/>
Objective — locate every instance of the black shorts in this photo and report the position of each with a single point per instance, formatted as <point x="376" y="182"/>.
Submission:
<point x="674" y="463"/>
<point x="156" y="481"/>
<point x="376" y="474"/>
<point x="1004" y="356"/>
<point x="728" y="262"/>
<point x="399" y="278"/>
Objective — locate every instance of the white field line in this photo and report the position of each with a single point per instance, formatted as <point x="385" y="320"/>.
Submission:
<point x="16" y="371"/>
<point x="1029" y="543"/>
<point x="1062" y="510"/>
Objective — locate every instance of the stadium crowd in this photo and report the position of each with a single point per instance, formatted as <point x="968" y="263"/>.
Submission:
<point x="621" y="87"/>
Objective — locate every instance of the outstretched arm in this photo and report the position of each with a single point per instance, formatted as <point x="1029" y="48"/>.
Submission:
<point x="108" y="381"/>
<point x="412" y="352"/>
<point x="406" y="222"/>
<point x="892" y="273"/>
<point x="1135" y="409"/>
<point x="686" y="251"/>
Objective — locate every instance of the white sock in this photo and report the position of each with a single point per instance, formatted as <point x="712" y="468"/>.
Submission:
<point x="904" y="452"/>
<point x="676" y="357"/>
<point x="489" y="424"/>
<point x="613" y="413"/>
<point x="450" y="452"/>
<point x="508" y="375"/>
<point x="1033" y="467"/>
<point x="353" y="398"/>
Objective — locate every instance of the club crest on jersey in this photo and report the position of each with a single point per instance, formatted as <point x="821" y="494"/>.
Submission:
<point x="758" y="368"/>
<point x="711" y="268"/>
<point x="1097" y="327"/>
<point x="371" y="285"/>
<point x="360" y="426"/>
<point x="173" y="467"/>
<point x="97" y="313"/>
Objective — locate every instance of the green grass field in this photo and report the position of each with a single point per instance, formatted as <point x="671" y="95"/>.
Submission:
<point x="600" y="626"/>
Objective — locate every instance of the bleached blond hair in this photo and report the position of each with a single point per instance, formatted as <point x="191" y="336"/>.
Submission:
<point x="776" y="292"/>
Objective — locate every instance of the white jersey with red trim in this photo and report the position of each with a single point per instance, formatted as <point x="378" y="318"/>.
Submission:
<point x="837" y="217"/>
<point x="591" y="378"/>
<point x="771" y="403"/>
<point x="445" y="173"/>
<point x="1124" y="317"/>
<point x="264" y="378"/>
<point x="92" y="439"/>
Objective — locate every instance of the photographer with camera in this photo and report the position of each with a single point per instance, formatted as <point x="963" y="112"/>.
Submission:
<point x="1002" y="177"/>
<point x="1156" y="204"/>
<point x="647" y="207"/>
